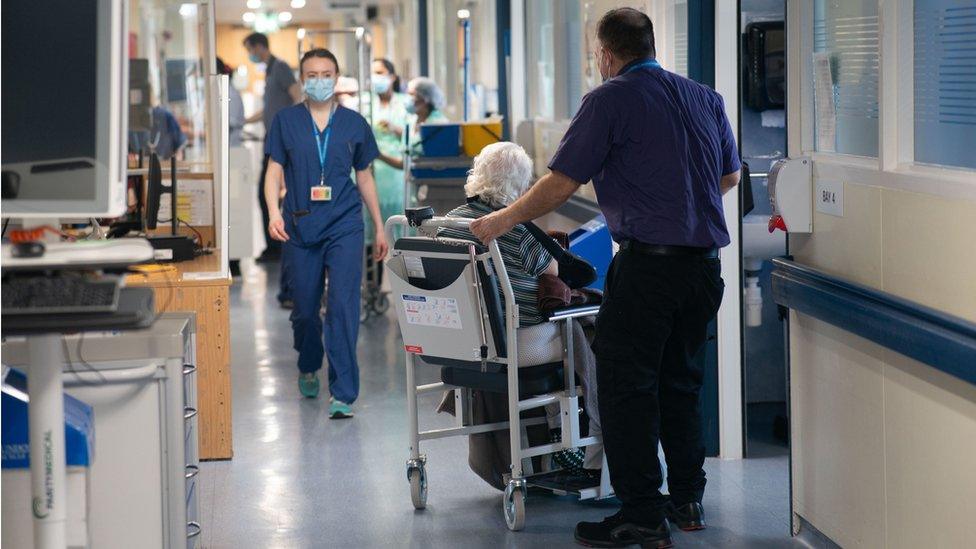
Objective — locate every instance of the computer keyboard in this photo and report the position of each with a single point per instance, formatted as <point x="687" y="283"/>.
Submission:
<point x="59" y="295"/>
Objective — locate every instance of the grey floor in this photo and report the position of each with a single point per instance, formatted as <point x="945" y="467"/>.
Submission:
<point x="298" y="479"/>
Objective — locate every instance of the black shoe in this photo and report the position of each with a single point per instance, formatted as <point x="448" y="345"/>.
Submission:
<point x="688" y="517"/>
<point x="616" y="531"/>
<point x="268" y="257"/>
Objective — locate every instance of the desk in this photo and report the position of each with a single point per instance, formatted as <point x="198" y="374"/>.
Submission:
<point x="197" y="286"/>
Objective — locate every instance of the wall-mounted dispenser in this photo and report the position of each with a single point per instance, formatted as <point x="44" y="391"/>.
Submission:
<point x="791" y="195"/>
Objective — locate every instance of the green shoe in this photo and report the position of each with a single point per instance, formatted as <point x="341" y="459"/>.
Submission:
<point x="339" y="409"/>
<point x="308" y="384"/>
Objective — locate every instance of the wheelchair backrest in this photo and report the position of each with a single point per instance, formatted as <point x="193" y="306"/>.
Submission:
<point x="436" y="297"/>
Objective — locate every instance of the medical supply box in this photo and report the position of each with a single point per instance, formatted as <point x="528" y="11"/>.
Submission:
<point x="477" y="135"/>
<point x="79" y="435"/>
<point x="440" y="140"/>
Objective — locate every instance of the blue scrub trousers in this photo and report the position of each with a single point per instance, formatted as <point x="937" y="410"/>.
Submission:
<point x="341" y="256"/>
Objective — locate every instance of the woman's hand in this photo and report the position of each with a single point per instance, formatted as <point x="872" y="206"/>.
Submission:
<point x="380" y="246"/>
<point x="276" y="228"/>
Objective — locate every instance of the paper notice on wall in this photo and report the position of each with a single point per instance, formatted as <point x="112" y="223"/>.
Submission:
<point x="437" y="312"/>
<point x="823" y="93"/>
<point x="194" y="202"/>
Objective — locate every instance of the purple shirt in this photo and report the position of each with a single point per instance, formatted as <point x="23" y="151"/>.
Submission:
<point x="655" y="145"/>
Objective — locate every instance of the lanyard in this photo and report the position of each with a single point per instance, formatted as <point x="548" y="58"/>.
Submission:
<point x="321" y="140"/>
<point x="650" y="63"/>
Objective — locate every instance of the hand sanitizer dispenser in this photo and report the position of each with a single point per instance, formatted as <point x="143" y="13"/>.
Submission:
<point x="791" y="195"/>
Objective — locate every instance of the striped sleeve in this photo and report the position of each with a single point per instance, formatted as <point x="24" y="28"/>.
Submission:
<point x="535" y="259"/>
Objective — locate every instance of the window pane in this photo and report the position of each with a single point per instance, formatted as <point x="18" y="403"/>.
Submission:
<point x="945" y="82"/>
<point x="846" y="40"/>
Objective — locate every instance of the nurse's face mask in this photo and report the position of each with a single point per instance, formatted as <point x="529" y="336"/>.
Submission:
<point x="381" y="83"/>
<point x="319" y="89"/>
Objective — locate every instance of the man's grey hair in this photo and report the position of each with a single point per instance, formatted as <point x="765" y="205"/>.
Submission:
<point x="428" y="91"/>
<point x="500" y="174"/>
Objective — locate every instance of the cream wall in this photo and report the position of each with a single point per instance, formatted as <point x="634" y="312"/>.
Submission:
<point x="884" y="447"/>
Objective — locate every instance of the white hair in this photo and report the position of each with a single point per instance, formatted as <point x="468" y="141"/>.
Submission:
<point x="500" y="174"/>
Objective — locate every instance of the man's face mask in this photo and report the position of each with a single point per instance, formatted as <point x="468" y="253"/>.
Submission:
<point x="603" y="63"/>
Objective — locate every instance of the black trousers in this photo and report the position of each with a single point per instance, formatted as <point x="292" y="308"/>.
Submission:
<point x="272" y="246"/>
<point x="652" y="324"/>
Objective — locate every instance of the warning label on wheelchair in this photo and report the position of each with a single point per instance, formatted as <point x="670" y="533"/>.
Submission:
<point x="437" y="312"/>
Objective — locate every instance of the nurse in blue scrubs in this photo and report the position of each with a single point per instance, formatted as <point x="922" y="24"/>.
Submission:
<point x="314" y="147"/>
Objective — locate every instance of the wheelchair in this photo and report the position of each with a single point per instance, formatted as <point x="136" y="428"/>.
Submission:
<point x="451" y="316"/>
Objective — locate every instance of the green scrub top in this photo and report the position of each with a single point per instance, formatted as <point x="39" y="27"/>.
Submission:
<point x="389" y="180"/>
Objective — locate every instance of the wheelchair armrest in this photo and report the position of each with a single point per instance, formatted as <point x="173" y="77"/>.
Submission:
<point x="573" y="311"/>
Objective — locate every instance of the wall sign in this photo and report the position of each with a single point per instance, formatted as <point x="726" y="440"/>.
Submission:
<point x="829" y="197"/>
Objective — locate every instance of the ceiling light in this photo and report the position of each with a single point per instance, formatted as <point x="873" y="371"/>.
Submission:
<point x="188" y="10"/>
<point x="297" y="4"/>
<point x="300" y="34"/>
<point x="248" y="17"/>
<point x="464" y="14"/>
<point x="253" y="4"/>
<point x="284" y="16"/>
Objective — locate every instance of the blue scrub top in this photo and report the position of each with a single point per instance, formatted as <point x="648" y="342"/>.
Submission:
<point x="351" y="146"/>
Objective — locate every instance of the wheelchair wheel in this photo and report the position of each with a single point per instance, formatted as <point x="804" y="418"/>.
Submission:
<point x="513" y="504"/>
<point x="418" y="487"/>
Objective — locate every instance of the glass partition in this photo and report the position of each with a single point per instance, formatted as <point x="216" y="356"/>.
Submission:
<point x="846" y="66"/>
<point x="169" y="64"/>
<point x="945" y="82"/>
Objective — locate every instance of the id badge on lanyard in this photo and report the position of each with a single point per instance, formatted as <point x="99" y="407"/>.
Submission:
<point x="321" y="192"/>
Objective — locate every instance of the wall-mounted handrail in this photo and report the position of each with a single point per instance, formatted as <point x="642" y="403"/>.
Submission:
<point x="941" y="340"/>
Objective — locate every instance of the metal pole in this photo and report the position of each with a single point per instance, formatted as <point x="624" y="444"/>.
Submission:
<point x="412" y="408"/>
<point x="45" y="417"/>
<point x="466" y="24"/>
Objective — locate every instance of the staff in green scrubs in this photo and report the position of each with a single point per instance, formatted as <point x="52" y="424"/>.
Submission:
<point x="389" y="108"/>
<point x="424" y="107"/>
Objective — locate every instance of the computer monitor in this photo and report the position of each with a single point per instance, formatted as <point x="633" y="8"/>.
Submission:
<point x="64" y="109"/>
<point x="154" y="192"/>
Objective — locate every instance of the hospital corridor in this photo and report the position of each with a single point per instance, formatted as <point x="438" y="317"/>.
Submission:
<point x="343" y="484"/>
<point x="488" y="273"/>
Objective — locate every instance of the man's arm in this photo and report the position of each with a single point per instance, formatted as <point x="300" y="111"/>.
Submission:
<point x="256" y="117"/>
<point x="295" y="91"/>
<point x="729" y="181"/>
<point x="550" y="192"/>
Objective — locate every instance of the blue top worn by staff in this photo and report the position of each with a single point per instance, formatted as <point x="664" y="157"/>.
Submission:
<point x="313" y="148"/>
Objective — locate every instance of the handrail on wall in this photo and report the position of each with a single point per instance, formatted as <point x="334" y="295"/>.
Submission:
<point x="941" y="340"/>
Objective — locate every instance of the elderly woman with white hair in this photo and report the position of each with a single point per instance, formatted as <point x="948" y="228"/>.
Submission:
<point x="499" y="176"/>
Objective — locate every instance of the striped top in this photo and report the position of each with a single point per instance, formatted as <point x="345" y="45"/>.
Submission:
<point x="525" y="259"/>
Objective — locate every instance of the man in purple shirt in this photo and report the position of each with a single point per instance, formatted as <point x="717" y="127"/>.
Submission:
<point x="660" y="153"/>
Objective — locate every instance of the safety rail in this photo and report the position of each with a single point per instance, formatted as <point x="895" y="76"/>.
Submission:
<point x="941" y="340"/>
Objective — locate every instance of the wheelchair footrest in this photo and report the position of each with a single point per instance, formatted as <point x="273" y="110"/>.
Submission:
<point x="564" y="482"/>
<point x="534" y="380"/>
